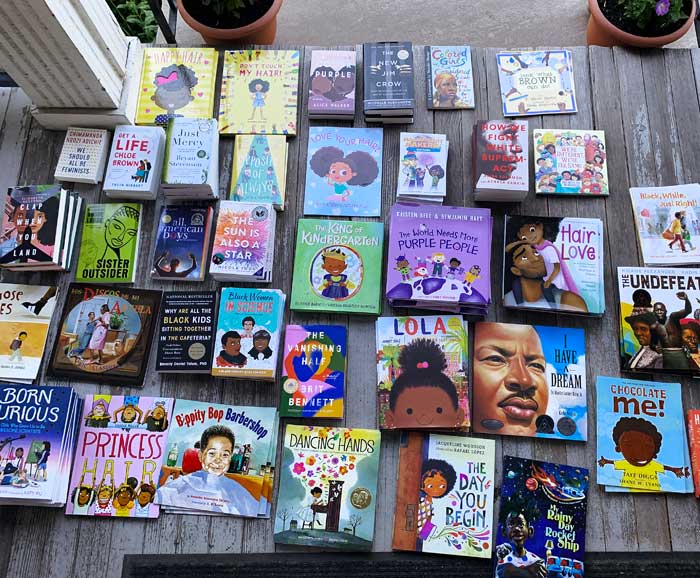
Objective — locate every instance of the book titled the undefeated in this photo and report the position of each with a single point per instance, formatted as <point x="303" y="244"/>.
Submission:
<point x="332" y="84"/>
<point x="388" y="78"/>
<point x="83" y="155"/>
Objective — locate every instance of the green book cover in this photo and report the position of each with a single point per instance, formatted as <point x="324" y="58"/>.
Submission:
<point x="109" y="244"/>
<point x="338" y="266"/>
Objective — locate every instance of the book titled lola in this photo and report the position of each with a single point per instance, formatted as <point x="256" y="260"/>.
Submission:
<point x="332" y="84"/>
<point x="449" y="81"/>
<point x="83" y="155"/>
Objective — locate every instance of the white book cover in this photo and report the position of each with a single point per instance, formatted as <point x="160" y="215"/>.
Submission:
<point x="191" y="152"/>
<point x="83" y="155"/>
<point x="135" y="160"/>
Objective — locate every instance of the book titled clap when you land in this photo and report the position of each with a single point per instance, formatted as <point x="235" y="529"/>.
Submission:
<point x="449" y="81"/>
<point x="388" y="82"/>
<point x="332" y="84"/>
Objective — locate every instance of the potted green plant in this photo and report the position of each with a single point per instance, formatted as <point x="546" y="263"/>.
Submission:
<point x="643" y="23"/>
<point x="222" y="21"/>
<point x="116" y="320"/>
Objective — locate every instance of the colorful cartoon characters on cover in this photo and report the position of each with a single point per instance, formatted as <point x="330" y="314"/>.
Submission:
<point x="415" y="174"/>
<point x="336" y="284"/>
<point x="341" y="171"/>
<point x="231" y="355"/>
<point x="437" y="480"/>
<point x="589" y="179"/>
<point x="173" y="90"/>
<point x="14" y="462"/>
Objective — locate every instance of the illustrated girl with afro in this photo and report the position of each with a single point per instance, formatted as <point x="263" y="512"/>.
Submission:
<point x="174" y="86"/>
<point x="258" y="93"/>
<point x="82" y="497"/>
<point x="357" y="168"/>
<point x="437" y="480"/>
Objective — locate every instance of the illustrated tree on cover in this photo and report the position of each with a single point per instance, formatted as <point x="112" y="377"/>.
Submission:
<point x="355" y="521"/>
<point x="284" y="515"/>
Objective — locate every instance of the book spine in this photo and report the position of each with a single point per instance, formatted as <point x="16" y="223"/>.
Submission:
<point x="694" y="443"/>
<point x="428" y="77"/>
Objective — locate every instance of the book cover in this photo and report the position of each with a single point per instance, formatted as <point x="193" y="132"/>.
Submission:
<point x="423" y="164"/>
<point x="192" y="153"/>
<point x="185" y="329"/>
<point x="542" y="519"/>
<point x="554" y="263"/>
<point x="182" y="242"/>
<point x="536" y="82"/>
<point x="659" y="329"/>
<point x="83" y="155"/>
<point x="449" y="79"/>
<point x="259" y="91"/>
<point x="641" y="436"/>
<point x="337" y="266"/>
<point x="530" y="380"/>
<point x="570" y="162"/>
<point x="344" y="172"/>
<point x="314" y="365"/>
<point x="693" y="420"/>
<point x="109" y="243"/>
<point x="176" y="82"/>
<point x="248" y="332"/>
<point x="259" y="172"/>
<point x="668" y="223"/>
<point x="216" y="457"/>
<point x="332" y="82"/>
<point x="25" y="314"/>
<point x="501" y="155"/>
<point x="422" y="372"/>
<point x="135" y="160"/>
<point x="388" y="76"/>
<point x="105" y="334"/>
<point x="121" y="446"/>
<point x="328" y="487"/>
<point x="444" y="501"/>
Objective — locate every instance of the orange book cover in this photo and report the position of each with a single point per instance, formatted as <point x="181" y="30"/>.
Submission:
<point x="407" y="491"/>
<point x="694" y="442"/>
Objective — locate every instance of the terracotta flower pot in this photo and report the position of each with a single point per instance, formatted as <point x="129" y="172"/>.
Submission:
<point x="262" y="31"/>
<point x="602" y="32"/>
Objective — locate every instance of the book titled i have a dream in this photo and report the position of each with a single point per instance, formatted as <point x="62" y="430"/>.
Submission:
<point x="332" y="84"/>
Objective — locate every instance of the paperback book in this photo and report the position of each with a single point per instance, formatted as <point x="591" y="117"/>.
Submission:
<point x="388" y="82"/>
<point x="259" y="172"/>
<point x="314" y="365"/>
<point x="328" y="487"/>
<point x="444" y="498"/>
<point x="693" y="421"/>
<point x="344" y="172"/>
<point x="449" y="79"/>
<point x="83" y="156"/>
<point x="423" y="168"/>
<point x="554" y="264"/>
<point x="337" y="266"/>
<point x="548" y="400"/>
<point x="422" y="372"/>
<point x="332" y="84"/>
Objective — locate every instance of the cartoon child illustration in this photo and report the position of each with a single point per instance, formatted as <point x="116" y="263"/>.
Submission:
<point x="156" y="419"/>
<point x="172" y="270"/>
<point x="15" y="346"/>
<point x="421" y="268"/>
<point x="174" y="86"/>
<point x="423" y="396"/>
<point x="124" y="498"/>
<point x="639" y="442"/>
<point x="336" y="284"/>
<point x="410" y="163"/>
<point x="120" y="230"/>
<point x="130" y="411"/>
<point x="230" y="355"/>
<point x="436" y="173"/>
<point x="258" y="89"/>
<point x="341" y="171"/>
<point x="142" y="171"/>
<point x="306" y="513"/>
<point x="510" y="66"/>
<point x="403" y="267"/>
<point x="82" y="497"/>
<point x="470" y="276"/>
<point x="99" y="415"/>
<point x="512" y="559"/>
<point x="42" y="457"/>
<point x="261" y="345"/>
<point x="105" y="495"/>
<point x="438" y="261"/>
<point x="437" y="480"/>
<point x="144" y="498"/>
<point x="420" y="175"/>
<point x="20" y="479"/>
<point x="455" y="268"/>
<point x="248" y="324"/>
<point x="445" y="95"/>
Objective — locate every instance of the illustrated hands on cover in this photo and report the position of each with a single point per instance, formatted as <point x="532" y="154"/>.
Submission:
<point x="306" y="369"/>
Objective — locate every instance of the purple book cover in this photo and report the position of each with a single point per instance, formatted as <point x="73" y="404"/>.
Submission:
<point x="332" y="82"/>
<point x="439" y="255"/>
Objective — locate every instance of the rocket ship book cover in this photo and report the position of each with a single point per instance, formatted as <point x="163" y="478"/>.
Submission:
<point x="542" y="519"/>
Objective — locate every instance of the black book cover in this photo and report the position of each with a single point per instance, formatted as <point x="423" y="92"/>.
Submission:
<point x="388" y="76"/>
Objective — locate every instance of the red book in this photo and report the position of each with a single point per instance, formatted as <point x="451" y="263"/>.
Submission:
<point x="694" y="442"/>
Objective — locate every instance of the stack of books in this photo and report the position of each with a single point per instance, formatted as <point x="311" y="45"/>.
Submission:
<point x="83" y="156"/>
<point x="38" y="228"/>
<point x="332" y="89"/>
<point x="423" y="168"/>
<point x="259" y="169"/>
<point x="388" y="82"/>
<point x="38" y="427"/>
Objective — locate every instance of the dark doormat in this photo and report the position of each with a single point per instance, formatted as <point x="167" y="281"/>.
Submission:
<point x="389" y="565"/>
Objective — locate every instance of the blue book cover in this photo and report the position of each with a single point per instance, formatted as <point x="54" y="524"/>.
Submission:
<point x="344" y="172"/>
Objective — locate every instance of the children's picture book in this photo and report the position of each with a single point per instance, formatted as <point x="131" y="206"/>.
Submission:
<point x="248" y="333"/>
<point x="423" y="165"/>
<point x="176" y="82"/>
<point x="642" y="443"/>
<point x="314" y="365"/>
<point x="328" y="487"/>
<point x="542" y="519"/>
<point x="439" y="258"/>
<point x="182" y="242"/>
<point x="105" y="334"/>
<point x="530" y="380"/>
<point x="83" y="155"/>
<point x="344" y="172"/>
<point x="259" y="173"/>
<point x="570" y="162"/>
<point x="554" y="264"/>
<point x="449" y="81"/>
<point x="536" y="82"/>
<point x="185" y="328"/>
<point x="668" y="223"/>
<point x="693" y="421"/>
<point x="338" y="266"/>
<point x="332" y="84"/>
<point x="259" y="92"/>
<point x="388" y="79"/>
<point x="25" y="315"/>
<point x="422" y="372"/>
<point x="216" y="457"/>
<point x="659" y="312"/>
<point x="110" y="243"/>
<point x="444" y="497"/>
<point x="121" y="447"/>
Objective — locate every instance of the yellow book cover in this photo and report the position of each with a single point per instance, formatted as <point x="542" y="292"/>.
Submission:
<point x="259" y="92"/>
<point x="176" y="82"/>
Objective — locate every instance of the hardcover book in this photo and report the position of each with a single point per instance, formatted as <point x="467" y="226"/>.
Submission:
<point x="314" y="365"/>
<point x="182" y="242"/>
<point x="554" y="263"/>
<point x="570" y="162"/>
<point x="119" y="482"/>
<point x="259" y="172"/>
<point x="83" y="156"/>
<point x="344" y="172"/>
<point x="176" y="82"/>
<point x="337" y="266"/>
<point x="693" y="421"/>
<point x="536" y="82"/>
<point x="328" y="487"/>
<point x="105" y="334"/>
<point x="547" y="400"/>
<point x="332" y="84"/>
<point x="422" y="372"/>
<point x="449" y="79"/>
<point x="388" y="78"/>
<point x="444" y="498"/>
<point x="668" y="223"/>
<point x="259" y="91"/>
<point x="542" y="519"/>
<point x="423" y="166"/>
<point x="185" y="328"/>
